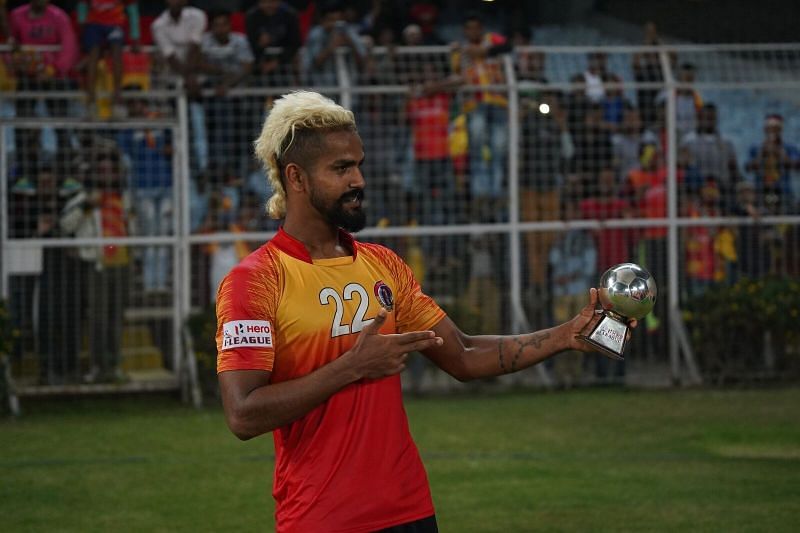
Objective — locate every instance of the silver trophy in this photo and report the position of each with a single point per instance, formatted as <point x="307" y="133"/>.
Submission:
<point x="626" y="291"/>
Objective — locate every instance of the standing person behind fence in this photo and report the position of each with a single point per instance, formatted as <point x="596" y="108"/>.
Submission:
<point x="103" y="25"/>
<point x="104" y="212"/>
<point x="477" y="60"/>
<point x="713" y="155"/>
<point x="688" y="101"/>
<point x="40" y="24"/>
<point x="629" y="140"/>
<point x="772" y="162"/>
<point x="149" y="152"/>
<point x="319" y="56"/>
<point x="647" y="69"/>
<point x="227" y="61"/>
<point x="314" y="328"/>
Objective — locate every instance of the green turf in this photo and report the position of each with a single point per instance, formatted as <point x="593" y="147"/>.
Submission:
<point x="594" y="460"/>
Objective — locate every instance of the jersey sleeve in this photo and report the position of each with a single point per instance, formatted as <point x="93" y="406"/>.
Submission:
<point x="246" y="308"/>
<point x="415" y="310"/>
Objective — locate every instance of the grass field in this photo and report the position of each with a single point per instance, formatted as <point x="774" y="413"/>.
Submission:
<point x="591" y="460"/>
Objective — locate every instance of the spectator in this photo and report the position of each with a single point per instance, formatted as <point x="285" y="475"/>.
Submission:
<point x="593" y="148"/>
<point x="572" y="259"/>
<point x="59" y="301"/>
<point x="412" y="35"/>
<point x="614" y="245"/>
<point x="178" y="33"/>
<point x="38" y="23"/>
<point x="104" y="212"/>
<point x="476" y="61"/>
<point x="149" y="152"/>
<point x="103" y="24"/>
<point x="545" y="154"/>
<point x="703" y="267"/>
<point x="425" y="14"/>
<point x="628" y="141"/>
<point x="772" y="162"/>
<point x="596" y="77"/>
<point x="646" y="188"/>
<point x="712" y="155"/>
<point x="529" y="63"/>
<point x="319" y="61"/>
<point x="227" y="60"/>
<point x="428" y="111"/>
<point x="273" y="24"/>
<point x="688" y="101"/>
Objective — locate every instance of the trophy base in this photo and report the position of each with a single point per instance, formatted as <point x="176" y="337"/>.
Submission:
<point x="608" y="337"/>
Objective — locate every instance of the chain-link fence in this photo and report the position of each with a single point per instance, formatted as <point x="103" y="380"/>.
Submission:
<point x="509" y="180"/>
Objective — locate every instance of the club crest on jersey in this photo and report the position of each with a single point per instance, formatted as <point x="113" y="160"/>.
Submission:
<point x="384" y="295"/>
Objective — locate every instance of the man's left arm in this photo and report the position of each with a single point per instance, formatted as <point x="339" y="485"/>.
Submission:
<point x="468" y="357"/>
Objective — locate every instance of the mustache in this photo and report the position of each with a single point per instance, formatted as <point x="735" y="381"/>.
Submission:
<point x="355" y="194"/>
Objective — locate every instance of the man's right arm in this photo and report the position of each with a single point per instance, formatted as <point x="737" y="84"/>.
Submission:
<point x="253" y="406"/>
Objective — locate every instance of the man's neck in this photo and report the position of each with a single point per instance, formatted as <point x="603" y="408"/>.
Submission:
<point x="320" y="238"/>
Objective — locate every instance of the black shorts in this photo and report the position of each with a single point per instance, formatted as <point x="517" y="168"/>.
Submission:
<point x="423" y="525"/>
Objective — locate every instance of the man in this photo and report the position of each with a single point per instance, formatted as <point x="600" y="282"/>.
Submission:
<point x="628" y="141"/>
<point x="476" y="61"/>
<point x="103" y="25"/>
<point x="227" y="61"/>
<point x="178" y="32"/>
<point x="273" y="24"/>
<point x="314" y="328"/>
<point x="38" y="23"/>
<point x="772" y="162"/>
<point x="318" y="60"/>
<point x="712" y="155"/>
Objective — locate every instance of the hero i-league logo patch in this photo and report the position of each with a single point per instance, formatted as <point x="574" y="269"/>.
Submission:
<point x="384" y="295"/>
<point x="246" y="334"/>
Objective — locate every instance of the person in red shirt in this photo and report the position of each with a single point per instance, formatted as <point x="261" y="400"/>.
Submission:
<point x="314" y="328"/>
<point x="103" y="25"/>
<point x="613" y="244"/>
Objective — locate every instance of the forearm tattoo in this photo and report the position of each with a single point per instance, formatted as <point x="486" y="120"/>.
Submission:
<point x="518" y="346"/>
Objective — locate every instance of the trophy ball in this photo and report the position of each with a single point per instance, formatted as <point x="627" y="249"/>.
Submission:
<point x="628" y="290"/>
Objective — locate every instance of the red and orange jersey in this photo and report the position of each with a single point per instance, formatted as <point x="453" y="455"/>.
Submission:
<point x="349" y="464"/>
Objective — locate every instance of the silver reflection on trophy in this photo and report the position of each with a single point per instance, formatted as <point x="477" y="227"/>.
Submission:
<point x="626" y="291"/>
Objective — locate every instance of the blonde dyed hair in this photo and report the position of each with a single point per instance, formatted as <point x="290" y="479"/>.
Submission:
<point x="293" y="112"/>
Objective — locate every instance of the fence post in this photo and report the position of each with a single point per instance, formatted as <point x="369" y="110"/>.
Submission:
<point x="186" y="366"/>
<point x="673" y="284"/>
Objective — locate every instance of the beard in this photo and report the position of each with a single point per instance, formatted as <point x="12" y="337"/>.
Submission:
<point x="336" y="214"/>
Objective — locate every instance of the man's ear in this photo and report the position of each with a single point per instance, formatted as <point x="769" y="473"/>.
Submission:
<point x="295" y="177"/>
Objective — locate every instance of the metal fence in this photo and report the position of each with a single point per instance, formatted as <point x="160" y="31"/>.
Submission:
<point x="508" y="191"/>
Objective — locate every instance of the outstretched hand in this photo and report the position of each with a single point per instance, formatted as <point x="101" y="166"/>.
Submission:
<point x="585" y="321"/>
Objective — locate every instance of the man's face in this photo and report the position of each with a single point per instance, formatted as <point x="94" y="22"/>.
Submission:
<point x="597" y="63"/>
<point x="632" y="120"/>
<point x="176" y="5"/>
<point x="473" y="31"/>
<point x="330" y="19"/>
<point x="773" y="130"/>
<point x="686" y="75"/>
<point x="707" y="120"/>
<point x="336" y="182"/>
<point x="221" y="27"/>
<point x="269" y="7"/>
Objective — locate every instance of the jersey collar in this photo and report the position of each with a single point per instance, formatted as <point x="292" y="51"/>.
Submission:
<point x="291" y="246"/>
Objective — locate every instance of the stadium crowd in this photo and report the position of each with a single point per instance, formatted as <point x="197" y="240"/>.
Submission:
<point x="436" y="153"/>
